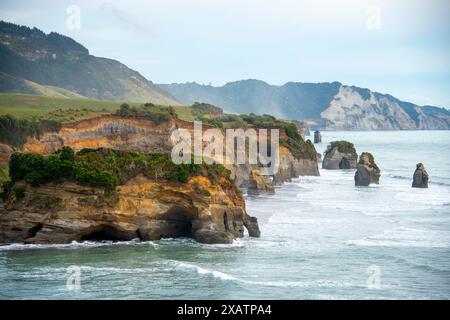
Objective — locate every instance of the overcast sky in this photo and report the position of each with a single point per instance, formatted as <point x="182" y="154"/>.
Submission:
<point x="401" y="47"/>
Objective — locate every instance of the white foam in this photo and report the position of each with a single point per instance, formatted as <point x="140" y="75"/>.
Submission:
<point x="271" y="283"/>
<point x="203" y="271"/>
<point x="432" y="196"/>
<point x="405" y="237"/>
<point x="73" y="245"/>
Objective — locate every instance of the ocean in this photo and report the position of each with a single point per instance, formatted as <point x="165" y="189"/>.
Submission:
<point x="321" y="238"/>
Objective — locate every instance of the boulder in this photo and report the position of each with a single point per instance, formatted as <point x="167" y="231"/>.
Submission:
<point x="340" y="155"/>
<point x="317" y="137"/>
<point x="420" y="177"/>
<point x="259" y="184"/>
<point x="367" y="171"/>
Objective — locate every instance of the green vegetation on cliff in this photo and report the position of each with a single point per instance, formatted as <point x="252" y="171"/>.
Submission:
<point x="14" y="131"/>
<point x="104" y="168"/>
<point x="158" y="114"/>
<point x="342" y="146"/>
<point x="371" y="159"/>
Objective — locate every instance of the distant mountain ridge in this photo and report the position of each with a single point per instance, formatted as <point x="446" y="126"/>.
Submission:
<point x="329" y="105"/>
<point x="59" y="63"/>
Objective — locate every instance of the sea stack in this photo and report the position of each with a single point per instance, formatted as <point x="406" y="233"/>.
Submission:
<point x="259" y="184"/>
<point x="367" y="171"/>
<point x="420" y="177"/>
<point x="340" y="155"/>
<point x="317" y="137"/>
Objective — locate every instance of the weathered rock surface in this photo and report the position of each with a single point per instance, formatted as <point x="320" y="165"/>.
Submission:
<point x="142" y="135"/>
<point x="367" y="171"/>
<point x="334" y="159"/>
<point x="291" y="167"/>
<point x="259" y="184"/>
<point x="141" y="208"/>
<point x="420" y="177"/>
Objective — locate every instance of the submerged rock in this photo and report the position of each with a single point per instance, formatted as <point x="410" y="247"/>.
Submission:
<point x="367" y="171"/>
<point x="317" y="137"/>
<point x="420" y="177"/>
<point x="141" y="208"/>
<point x="340" y="155"/>
<point x="259" y="184"/>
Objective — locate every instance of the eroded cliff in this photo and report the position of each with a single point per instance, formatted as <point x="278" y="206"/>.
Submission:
<point x="141" y="208"/>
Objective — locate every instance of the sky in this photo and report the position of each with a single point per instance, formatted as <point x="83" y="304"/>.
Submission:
<point x="400" y="47"/>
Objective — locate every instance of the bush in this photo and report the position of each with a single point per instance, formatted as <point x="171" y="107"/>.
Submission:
<point x="342" y="146"/>
<point x="104" y="168"/>
<point x="36" y="169"/>
<point x="158" y="114"/>
<point x="14" y="131"/>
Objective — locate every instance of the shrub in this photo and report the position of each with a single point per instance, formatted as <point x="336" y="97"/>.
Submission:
<point x="15" y="131"/>
<point x="342" y="146"/>
<point x="104" y="168"/>
<point x="158" y="114"/>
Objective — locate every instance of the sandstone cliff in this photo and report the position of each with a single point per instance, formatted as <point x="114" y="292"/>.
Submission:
<point x="144" y="136"/>
<point x="142" y="208"/>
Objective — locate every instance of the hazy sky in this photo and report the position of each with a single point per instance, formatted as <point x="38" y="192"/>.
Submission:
<point x="401" y="47"/>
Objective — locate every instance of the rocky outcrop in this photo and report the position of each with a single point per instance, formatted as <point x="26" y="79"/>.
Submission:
<point x="367" y="171"/>
<point x="259" y="184"/>
<point x="317" y="137"/>
<point x="420" y="177"/>
<point x="141" y="208"/>
<point x="291" y="167"/>
<point x="340" y="155"/>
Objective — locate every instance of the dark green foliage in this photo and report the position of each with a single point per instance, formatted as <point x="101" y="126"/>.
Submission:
<point x="205" y="109"/>
<point x="67" y="154"/>
<point x="212" y="122"/>
<point x="15" y="131"/>
<point x="104" y="168"/>
<point x="343" y="147"/>
<point x="158" y="114"/>
<point x="18" y="192"/>
<point x="36" y="169"/>
<point x="372" y="163"/>
<point x="300" y="149"/>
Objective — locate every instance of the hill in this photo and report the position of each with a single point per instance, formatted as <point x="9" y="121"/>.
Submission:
<point x="60" y="66"/>
<point x="330" y="105"/>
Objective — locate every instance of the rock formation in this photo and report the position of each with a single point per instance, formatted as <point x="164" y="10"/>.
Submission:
<point x="142" y="135"/>
<point x="420" y="177"/>
<point x="291" y="167"/>
<point x="259" y="184"/>
<point x="340" y="155"/>
<point x="317" y="137"/>
<point x="141" y="208"/>
<point x="367" y="171"/>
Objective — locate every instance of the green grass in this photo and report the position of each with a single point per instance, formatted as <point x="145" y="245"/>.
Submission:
<point x="30" y="106"/>
<point x="184" y="113"/>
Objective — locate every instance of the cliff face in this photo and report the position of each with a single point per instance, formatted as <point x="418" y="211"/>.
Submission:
<point x="114" y="132"/>
<point x="291" y="167"/>
<point x="331" y="106"/>
<point x="359" y="109"/>
<point x="142" y="135"/>
<point x="141" y="208"/>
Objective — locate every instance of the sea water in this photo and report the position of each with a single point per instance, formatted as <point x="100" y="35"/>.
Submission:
<point x="321" y="238"/>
